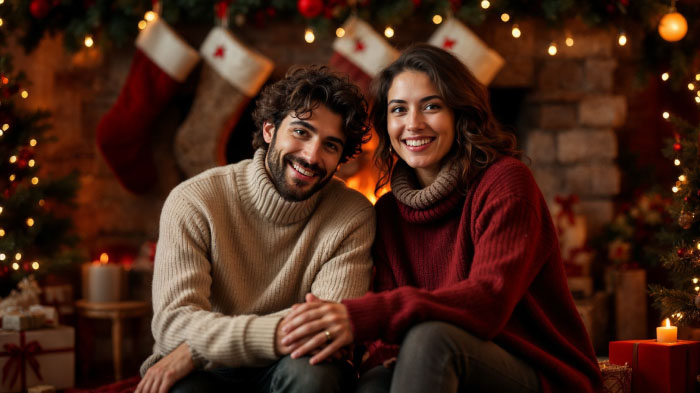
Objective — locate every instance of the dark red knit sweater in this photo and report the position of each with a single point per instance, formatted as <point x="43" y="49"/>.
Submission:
<point x="487" y="261"/>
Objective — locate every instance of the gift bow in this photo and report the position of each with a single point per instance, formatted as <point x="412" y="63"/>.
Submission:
<point x="18" y="354"/>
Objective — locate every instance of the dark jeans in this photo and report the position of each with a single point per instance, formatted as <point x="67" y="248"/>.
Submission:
<point x="439" y="357"/>
<point x="286" y="375"/>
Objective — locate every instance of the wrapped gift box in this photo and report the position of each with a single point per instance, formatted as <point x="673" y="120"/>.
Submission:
<point x="659" y="367"/>
<point x="616" y="379"/>
<point x="37" y="357"/>
<point x="594" y="312"/>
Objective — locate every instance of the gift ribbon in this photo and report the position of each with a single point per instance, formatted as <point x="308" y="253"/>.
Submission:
<point x="567" y="207"/>
<point x="19" y="354"/>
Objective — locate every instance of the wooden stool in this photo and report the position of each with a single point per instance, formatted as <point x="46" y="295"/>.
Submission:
<point x="117" y="312"/>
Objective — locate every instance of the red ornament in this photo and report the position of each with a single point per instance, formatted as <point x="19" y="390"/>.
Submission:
<point x="39" y="8"/>
<point x="681" y="252"/>
<point x="310" y="8"/>
<point x="677" y="146"/>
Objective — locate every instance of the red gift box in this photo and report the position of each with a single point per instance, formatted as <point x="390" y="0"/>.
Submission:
<point x="659" y="367"/>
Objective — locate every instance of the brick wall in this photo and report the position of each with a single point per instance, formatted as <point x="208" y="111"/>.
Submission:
<point x="566" y="124"/>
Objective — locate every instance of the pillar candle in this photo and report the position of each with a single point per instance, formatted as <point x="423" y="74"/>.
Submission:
<point x="103" y="281"/>
<point x="667" y="334"/>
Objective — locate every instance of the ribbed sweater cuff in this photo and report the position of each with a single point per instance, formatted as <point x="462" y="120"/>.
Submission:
<point x="260" y="337"/>
<point x="367" y="315"/>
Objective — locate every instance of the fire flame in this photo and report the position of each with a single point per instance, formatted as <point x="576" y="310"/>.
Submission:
<point x="104" y="258"/>
<point x="667" y="322"/>
<point x="361" y="174"/>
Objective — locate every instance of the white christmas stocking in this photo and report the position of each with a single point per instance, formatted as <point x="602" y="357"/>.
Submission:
<point x="231" y="75"/>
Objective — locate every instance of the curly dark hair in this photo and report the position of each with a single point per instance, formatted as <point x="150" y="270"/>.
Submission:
<point x="305" y="88"/>
<point x="478" y="136"/>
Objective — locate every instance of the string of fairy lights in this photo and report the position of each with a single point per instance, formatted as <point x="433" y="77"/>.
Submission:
<point x="17" y="256"/>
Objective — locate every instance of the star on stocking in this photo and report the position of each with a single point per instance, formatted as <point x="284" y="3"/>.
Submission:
<point x="359" y="46"/>
<point x="449" y="44"/>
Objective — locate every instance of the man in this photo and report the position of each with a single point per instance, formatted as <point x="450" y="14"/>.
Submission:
<point x="240" y="244"/>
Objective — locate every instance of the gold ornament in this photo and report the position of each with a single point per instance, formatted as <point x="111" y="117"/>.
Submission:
<point x="673" y="26"/>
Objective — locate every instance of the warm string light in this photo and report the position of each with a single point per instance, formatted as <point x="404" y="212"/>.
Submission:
<point x="89" y="42"/>
<point x="15" y="266"/>
<point x="695" y="280"/>
<point x="552" y="50"/>
<point x="505" y="17"/>
<point x="18" y="256"/>
<point x="665" y="115"/>
<point x="437" y="19"/>
<point x="35" y="180"/>
<point x="388" y="32"/>
<point x="677" y="162"/>
<point x="1" y="22"/>
<point x="485" y="4"/>
<point x="142" y="24"/>
<point x="664" y="76"/>
<point x="3" y="257"/>
<point x="691" y="86"/>
<point x="2" y="233"/>
<point x="35" y="265"/>
<point x="515" y="31"/>
<point x="569" y="41"/>
<point x="340" y="32"/>
<point x="32" y="142"/>
<point x="24" y="94"/>
<point x="674" y="189"/>
<point x="309" y="36"/>
<point x="622" y="39"/>
<point x="31" y="163"/>
<point x="30" y="222"/>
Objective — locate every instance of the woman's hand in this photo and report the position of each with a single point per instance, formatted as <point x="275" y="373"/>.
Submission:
<point x="326" y="325"/>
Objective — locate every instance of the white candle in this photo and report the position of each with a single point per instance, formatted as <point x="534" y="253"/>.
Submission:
<point x="667" y="334"/>
<point x="103" y="281"/>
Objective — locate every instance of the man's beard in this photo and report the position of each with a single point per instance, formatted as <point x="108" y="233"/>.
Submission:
<point x="278" y="168"/>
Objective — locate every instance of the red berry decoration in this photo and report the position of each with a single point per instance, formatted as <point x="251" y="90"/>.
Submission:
<point x="310" y="8"/>
<point x="677" y="146"/>
<point x="39" y="8"/>
<point x="681" y="252"/>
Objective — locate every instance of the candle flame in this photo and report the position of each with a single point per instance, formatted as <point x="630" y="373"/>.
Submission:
<point x="104" y="258"/>
<point x="667" y="322"/>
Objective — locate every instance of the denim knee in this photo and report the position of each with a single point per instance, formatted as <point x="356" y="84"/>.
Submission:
<point x="199" y="381"/>
<point x="297" y="375"/>
<point x="433" y="336"/>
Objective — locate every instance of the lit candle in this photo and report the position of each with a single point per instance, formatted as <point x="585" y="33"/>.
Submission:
<point x="102" y="281"/>
<point x="667" y="334"/>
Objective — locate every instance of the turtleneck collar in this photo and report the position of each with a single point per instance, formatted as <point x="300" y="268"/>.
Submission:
<point x="404" y="185"/>
<point x="260" y="193"/>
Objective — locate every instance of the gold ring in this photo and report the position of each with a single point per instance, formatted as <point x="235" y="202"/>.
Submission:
<point x="329" y="338"/>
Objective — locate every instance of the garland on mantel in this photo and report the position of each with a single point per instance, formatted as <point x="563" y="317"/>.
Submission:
<point x="114" y="22"/>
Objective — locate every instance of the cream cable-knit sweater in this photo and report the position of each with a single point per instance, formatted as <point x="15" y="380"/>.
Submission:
<point x="233" y="256"/>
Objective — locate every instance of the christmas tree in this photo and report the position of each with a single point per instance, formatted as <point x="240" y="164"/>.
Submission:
<point x="681" y="302"/>
<point x="35" y="232"/>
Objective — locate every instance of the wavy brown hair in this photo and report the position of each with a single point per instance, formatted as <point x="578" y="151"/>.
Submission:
<point x="479" y="139"/>
<point x="301" y="91"/>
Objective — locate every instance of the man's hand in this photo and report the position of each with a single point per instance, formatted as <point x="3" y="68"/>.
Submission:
<point x="168" y="370"/>
<point x="317" y="324"/>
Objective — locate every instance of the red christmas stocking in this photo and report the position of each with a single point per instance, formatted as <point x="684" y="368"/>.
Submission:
<point x="231" y="75"/>
<point x="161" y="63"/>
<point x="456" y="38"/>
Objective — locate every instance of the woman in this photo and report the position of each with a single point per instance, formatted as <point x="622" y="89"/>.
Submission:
<point x="470" y="292"/>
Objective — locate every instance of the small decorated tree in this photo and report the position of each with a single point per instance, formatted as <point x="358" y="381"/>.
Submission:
<point x="35" y="231"/>
<point x="680" y="300"/>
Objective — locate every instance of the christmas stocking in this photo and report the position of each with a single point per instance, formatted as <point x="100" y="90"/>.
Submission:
<point x="361" y="53"/>
<point x="456" y="38"/>
<point x="231" y="75"/>
<point x="161" y="63"/>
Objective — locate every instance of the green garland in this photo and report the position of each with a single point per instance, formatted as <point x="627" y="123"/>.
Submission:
<point x="114" y="22"/>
